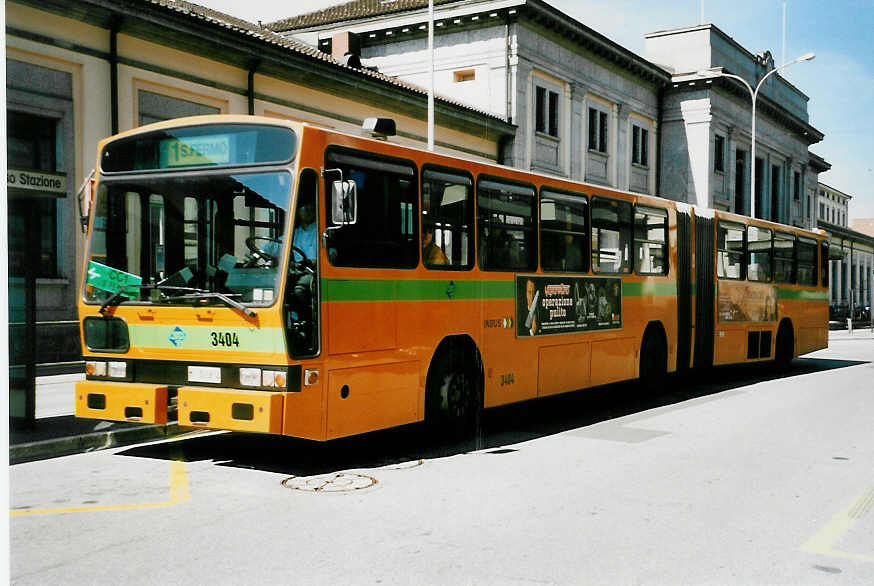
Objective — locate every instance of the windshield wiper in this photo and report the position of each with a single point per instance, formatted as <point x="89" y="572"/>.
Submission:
<point x="221" y="297"/>
<point x="112" y="300"/>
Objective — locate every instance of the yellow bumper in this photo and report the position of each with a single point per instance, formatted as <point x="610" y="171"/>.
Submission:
<point x="233" y="409"/>
<point x="118" y="401"/>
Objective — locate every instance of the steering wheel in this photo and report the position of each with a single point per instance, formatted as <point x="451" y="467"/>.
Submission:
<point x="257" y="251"/>
<point x="300" y="266"/>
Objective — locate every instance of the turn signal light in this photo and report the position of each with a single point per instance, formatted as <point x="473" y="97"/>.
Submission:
<point x="273" y="378"/>
<point x="95" y="368"/>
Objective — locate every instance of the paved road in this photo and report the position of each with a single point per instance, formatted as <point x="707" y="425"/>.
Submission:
<point x="743" y="478"/>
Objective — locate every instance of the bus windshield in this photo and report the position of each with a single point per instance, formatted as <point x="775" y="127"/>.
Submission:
<point x="210" y="237"/>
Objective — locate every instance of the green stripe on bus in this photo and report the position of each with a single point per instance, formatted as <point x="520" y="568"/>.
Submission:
<point x="414" y="290"/>
<point x="191" y="337"/>
<point x="433" y="290"/>
<point x="649" y="289"/>
<point x="799" y="295"/>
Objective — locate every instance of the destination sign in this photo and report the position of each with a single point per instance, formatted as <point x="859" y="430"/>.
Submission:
<point x="195" y="151"/>
<point x="109" y="279"/>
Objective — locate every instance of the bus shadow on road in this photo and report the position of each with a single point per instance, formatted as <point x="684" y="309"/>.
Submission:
<point x="502" y="427"/>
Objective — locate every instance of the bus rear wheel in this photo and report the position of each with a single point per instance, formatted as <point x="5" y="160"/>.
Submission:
<point x="785" y="346"/>
<point x="653" y="362"/>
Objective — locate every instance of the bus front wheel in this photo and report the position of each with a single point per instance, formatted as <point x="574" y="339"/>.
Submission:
<point x="453" y="401"/>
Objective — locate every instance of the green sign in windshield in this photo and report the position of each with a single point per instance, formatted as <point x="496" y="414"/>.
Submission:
<point x="110" y="279"/>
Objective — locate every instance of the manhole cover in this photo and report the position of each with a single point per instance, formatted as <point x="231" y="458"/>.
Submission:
<point x="337" y="482"/>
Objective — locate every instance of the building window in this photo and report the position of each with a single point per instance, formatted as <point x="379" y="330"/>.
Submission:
<point x="32" y="145"/>
<point x="546" y="111"/>
<point x="597" y="130"/>
<point x="154" y="107"/>
<point x="465" y="75"/>
<point x="640" y="145"/>
<point x="719" y="154"/>
<point x="796" y="186"/>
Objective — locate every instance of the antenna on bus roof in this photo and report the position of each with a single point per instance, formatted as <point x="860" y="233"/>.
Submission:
<point x="380" y="128"/>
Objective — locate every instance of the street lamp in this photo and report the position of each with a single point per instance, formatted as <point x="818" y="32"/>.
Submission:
<point x="753" y="95"/>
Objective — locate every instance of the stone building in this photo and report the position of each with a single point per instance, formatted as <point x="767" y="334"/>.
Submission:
<point x="833" y="206"/>
<point x="851" y="272"/>
<point x="852" y="255"/>
<point x="586" y="108"/>
<point x="706" y="128"/>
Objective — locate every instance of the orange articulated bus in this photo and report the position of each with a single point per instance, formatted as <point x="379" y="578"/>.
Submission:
<point x="267" y="276"/>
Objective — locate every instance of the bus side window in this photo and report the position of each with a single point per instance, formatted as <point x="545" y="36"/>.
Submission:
<point x="611" y="236"/>
<point x="563" y="225"/>
<point x="758" y="254"/>
<point x="650" y="241"/>
<point x="806" y="261"/>
<point x="385" y="235"/>
<point x="784" y="257"/>
<point x="730" y="251"/>
<point x="447" y="217"/>
<point x="507" y="239"/>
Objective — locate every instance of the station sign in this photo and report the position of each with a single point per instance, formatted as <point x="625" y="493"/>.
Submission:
<point x="51" y="183"/>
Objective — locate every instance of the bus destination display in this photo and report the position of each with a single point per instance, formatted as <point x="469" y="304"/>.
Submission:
<point x="195" y="150"/>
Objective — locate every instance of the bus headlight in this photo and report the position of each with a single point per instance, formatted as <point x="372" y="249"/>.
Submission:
<point x="118" y="369"/>
<point x="250" y="377"/>
<point x="256" y="377"/>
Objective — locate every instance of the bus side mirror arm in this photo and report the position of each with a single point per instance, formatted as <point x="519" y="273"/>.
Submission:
<point x="85" y="197"/>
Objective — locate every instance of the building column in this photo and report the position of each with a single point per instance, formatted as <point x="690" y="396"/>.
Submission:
<point x="848" y="279"/>
<point x="839" y="291"/>
<point x="577" y="130"/>
<point x="613" y="172"/>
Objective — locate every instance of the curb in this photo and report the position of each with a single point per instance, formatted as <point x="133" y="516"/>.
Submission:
<point x="77" y="444"/>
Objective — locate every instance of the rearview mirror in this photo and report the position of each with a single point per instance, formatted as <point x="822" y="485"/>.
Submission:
<point x="344" y="202"/>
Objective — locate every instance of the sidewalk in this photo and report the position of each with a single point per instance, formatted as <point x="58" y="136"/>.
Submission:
<point x="859" y="333"/>
<point x="57" y="432"/>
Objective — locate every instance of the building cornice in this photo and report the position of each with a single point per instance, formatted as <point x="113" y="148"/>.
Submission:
<point x="409" y="19"/>
<point x="693" y="82"/>
<point x="818" y="164"/>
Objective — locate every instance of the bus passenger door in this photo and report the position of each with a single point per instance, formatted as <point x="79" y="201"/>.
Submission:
<point x="301" y="307"/>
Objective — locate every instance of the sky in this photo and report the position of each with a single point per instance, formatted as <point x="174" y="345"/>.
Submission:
<point x="839" y="81"/>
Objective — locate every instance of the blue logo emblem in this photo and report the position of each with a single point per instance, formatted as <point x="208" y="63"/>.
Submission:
<point x="450" y="290"/>
<point x="177" y="336"/>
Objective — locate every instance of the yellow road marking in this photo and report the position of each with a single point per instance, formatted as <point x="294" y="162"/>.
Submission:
<point x="178" y="495"/>
<point x="825" y="540"/>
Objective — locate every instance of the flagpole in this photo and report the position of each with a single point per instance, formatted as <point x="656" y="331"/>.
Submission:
<point x="431" y="75"/>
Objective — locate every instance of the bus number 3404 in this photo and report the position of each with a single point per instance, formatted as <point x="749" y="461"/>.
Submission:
<point x="225" y="339"/>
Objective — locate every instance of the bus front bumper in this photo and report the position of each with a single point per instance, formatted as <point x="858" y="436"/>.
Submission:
<point x="233" y="409"/>
<point x="120" y="401"/>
